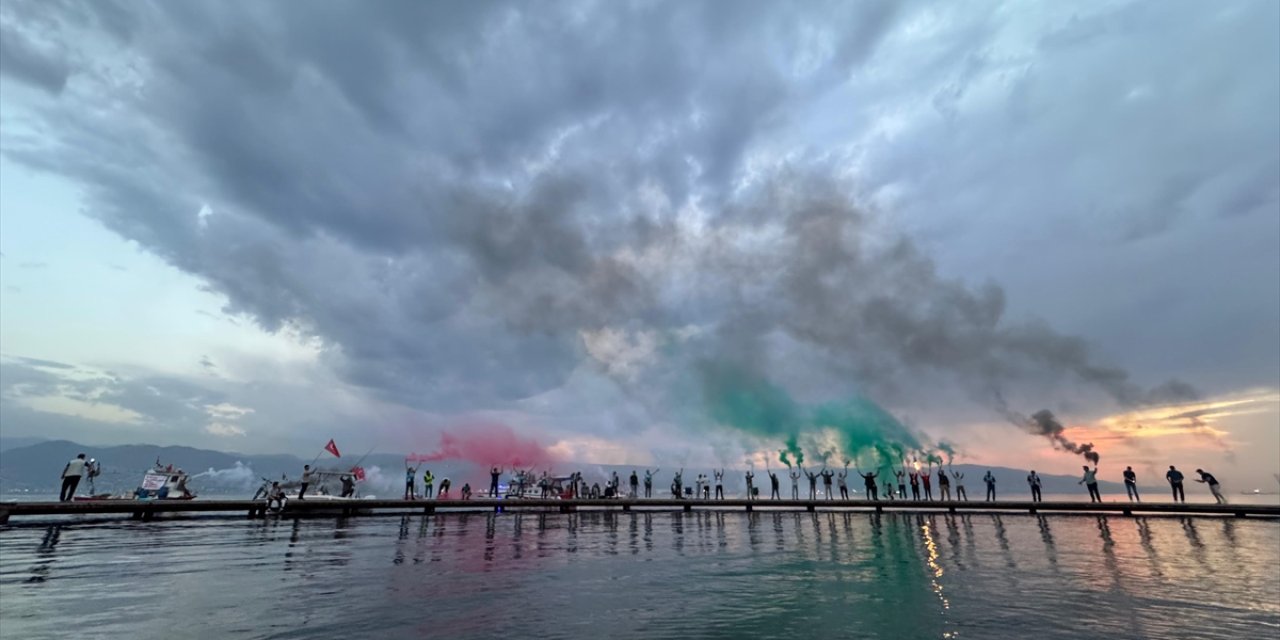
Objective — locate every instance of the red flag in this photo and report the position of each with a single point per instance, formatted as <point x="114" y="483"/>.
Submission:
<point x="358" y="472"/>
<point x="332" y="448"/>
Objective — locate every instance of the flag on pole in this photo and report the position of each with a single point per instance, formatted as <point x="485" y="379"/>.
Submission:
<point x="332" y="448"/>
<point x="358" y="472"/>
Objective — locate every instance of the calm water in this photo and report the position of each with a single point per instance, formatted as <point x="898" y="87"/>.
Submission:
<point x="646" y="575"/>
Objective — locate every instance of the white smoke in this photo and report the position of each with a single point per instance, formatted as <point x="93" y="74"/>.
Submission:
<point x="376" y="481"/>
<point x="239" y="476"/>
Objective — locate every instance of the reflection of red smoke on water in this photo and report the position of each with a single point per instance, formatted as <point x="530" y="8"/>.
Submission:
<point x="488" y="445"/>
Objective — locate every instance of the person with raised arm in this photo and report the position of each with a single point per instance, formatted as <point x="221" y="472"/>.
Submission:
<point x="813" y="483"/>
<point x="926" y="478"/>
<point x="719" y="475"/>
<point x="915" y="484"/>
<point x="902" y="480"/>
<point x="869" y="481"/>
<point x="773" y="483"/>
<point x="1090" y="480"/>
<point x="494" y="474"/>
<point x="960" y="494"/>
<point x="648" y="482"/>
<point x="1207" y="478"/>
<point x="840" y="482"/>
<point x="827" y="475"/>
<point x="751" y="488"/>
<point x="410" y="481"/>
<point x="795" y="483"/>
<point x="677" y="485"/>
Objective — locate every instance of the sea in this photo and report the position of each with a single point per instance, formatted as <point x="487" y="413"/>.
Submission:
<point x="643" y="574"/>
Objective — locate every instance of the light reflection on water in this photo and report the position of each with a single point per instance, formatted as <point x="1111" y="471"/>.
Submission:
<point x="647" y="574"/>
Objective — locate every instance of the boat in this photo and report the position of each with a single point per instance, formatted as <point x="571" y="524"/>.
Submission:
<point x="158" y="483"/>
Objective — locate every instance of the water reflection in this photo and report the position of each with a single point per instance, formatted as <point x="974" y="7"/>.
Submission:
<point x="936" y="572"/>
<point x="44" y="559"/>
<point x="1002" y="537"/>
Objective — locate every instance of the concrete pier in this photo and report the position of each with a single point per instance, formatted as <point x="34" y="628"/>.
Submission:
<point x="147" y="509"/>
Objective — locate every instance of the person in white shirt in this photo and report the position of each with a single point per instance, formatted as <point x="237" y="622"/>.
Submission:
<point x="71" y="478"/>
<point x="1090" y="480"/>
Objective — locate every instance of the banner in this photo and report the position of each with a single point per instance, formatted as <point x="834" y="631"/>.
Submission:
<point x="358" y="472"/>
<point x="332" y="448"/>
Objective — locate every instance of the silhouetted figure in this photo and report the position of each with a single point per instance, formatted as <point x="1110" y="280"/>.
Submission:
<point x="71" y="477"/>
<point x="840" y="482"/>
<point x="915" y="485"/>
<point x="348" y="487"/>
<point x="795" y="483"/>
<point x="635" y="484"/>
<point x="991" y="485"/>
<point x="648" y="482"/>
<point x="926" y="479"/>
<point x="751" y="488"/>
<point x="827" y="475"/>
<point x="1208" y="478"/>
<point x="869" y="481"/>
<point x="494" y="475"/>
<point x="773" y="484"/>
<point x="1033" y="481"/>
<point x="944" y="484"/>
<point x="1131" y="484"/>
<point x="1175" y="482"/>
<point x="677" y="485"/>
<point x="466" y="491"/>
<point x="902" y="483"/>
<point x="1090" y="480"/>
<point x="813" y="484"/>
<point x="444" y="489"/>
<point x="719" y="475"/>
<point x="960" y="494"/>
<point x="706" y="488"/>
<point x="306" y="481"/>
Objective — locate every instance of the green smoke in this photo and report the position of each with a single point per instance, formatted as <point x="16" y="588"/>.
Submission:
<point x="739" y="398"/>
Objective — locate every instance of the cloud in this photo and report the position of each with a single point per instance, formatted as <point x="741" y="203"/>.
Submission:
<point x="485" y="207"/>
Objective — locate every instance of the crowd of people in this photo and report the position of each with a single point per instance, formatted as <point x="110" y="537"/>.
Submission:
<point x="529" y="483"/>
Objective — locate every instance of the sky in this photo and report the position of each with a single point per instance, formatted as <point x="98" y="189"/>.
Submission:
<point x="649" y="233"/>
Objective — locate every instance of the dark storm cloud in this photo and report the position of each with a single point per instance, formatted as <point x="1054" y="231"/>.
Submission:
<point x="448" y="195"/>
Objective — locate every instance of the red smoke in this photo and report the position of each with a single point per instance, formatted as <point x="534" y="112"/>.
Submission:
<point x="488" y="445"/>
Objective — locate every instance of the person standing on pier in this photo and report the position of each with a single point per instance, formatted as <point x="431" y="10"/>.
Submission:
<point x="697" y="486"/>
<point x="926" y="478"/>
<point x="71" y="478"/>
<point x="840" y="481"/>
<point x="813" y="483"/>
<point x="306" y="481"/>
<point x="719" y="476"/>
<point x="494" y="475"/>
<point x="677" y="485"/>
<point x="751" y="488"/>
<point x="648" y="482"/>
<point x="1034" y="481"/>
<point x="827" y="475"/>
<point x="960" y="494"/>
<point x="1131" y="484"/>
<point x="1090" y="480"/>
<point x="410" y="482"/>
<point x="795" y="483"/>
<point x="869" y="482"/>
<point x="706" y="488"/>
<point x="1216" y="488"/>
<point x="944" y="484"/>
<point x="773" y="483"/>
<point x="1175" y="481"/>
<point x="428" y="483"/>
<point x="991" y="486"/>
<point x="348" y="487"/>
<point x="635" y="484"/>
<point x="902" y="482"/>
<point x="915" y="485"/>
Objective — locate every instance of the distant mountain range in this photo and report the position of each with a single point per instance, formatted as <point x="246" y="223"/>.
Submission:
<point x="35" y="467"/>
